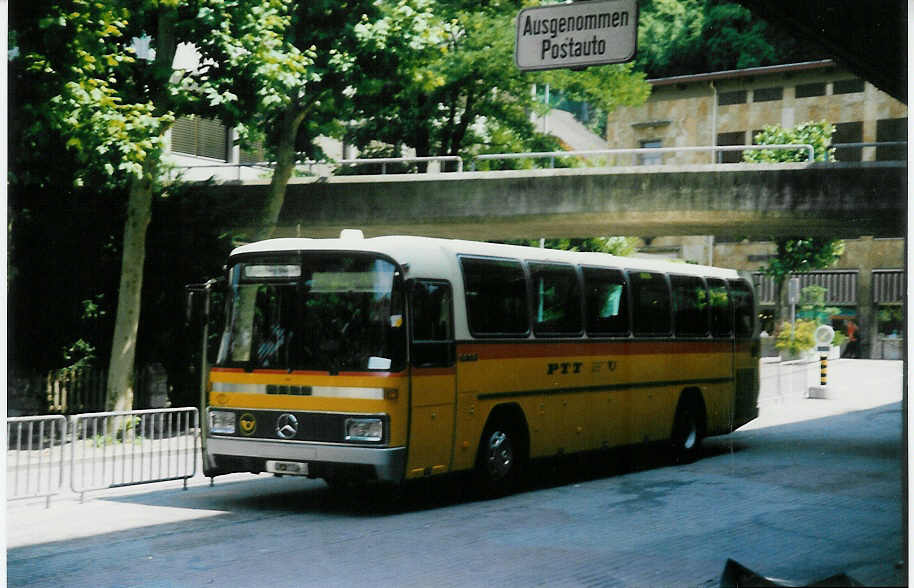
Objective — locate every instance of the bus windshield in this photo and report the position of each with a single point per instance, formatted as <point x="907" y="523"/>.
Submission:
<point x="333" y="312"/>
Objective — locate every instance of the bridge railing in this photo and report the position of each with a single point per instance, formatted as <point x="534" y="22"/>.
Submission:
<point x="637" y="153"/>
<point x="237" y="169"/>
<point x="863" y="144"/>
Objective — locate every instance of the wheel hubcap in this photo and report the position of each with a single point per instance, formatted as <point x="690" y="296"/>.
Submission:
<point x="691" y="437"/>
<point x="500" y="455"/>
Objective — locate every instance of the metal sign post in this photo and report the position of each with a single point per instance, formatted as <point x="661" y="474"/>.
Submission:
<point x="824" y="336"/>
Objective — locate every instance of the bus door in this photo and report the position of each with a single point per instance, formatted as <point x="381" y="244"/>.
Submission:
<point x="433" y="377"/>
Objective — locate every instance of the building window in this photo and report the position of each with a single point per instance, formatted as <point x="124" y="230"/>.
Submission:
<point x="767" y="94"/>
<point x="255" y="154"/>
<point x="651" y="158"/>
<point x="851" y="132"/>
<point x="735" y="97"/>
<point x="724" y="139"/>
<point x="848" y="86"/>
<point x="891" y="129"/>
<point x="201" y="137"/>
<point x="810" y="90"/>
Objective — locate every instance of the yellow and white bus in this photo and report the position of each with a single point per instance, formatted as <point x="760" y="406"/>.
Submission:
<point x="393" y="358"/>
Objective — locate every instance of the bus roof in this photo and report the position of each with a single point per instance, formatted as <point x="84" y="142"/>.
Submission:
<point x="431" y="257"/>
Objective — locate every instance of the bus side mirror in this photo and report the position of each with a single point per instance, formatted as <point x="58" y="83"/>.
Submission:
<point x="197" y="298"/>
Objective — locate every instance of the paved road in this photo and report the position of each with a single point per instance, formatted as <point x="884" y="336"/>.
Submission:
<point x="810" y="489"/>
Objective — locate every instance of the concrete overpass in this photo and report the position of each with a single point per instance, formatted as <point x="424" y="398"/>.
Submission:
<point x="736" y="200"/>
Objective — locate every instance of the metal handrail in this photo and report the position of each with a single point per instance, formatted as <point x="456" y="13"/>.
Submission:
<point x="385" y="160"/>
<point x="864" y="144"/>
<point x="811" y="154"/>
<point x="339" y="162"/>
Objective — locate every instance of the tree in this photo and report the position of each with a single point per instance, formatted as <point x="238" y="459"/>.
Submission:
<point x="681" y="37"/>
<point x="800" y="255"/>
<point x="112" y="110"/>
<point x="464" y="95"/>
<point x="797" y="254"/>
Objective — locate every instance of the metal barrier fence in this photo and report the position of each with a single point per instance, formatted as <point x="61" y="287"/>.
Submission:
<point x="35" y="456"/>
<point x="113" y="449"/>
<point x="106" y="450"/>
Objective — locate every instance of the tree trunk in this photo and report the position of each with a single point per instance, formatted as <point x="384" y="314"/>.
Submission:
<point x="119" y="395"/>
<point x="285" y="165"/>
<point x="119" y="390"/>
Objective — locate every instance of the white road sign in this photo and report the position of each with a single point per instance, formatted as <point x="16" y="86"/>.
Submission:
<point x="576" y="35"/>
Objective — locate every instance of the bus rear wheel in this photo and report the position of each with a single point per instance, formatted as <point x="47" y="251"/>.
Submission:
<point x="687" y="432"/>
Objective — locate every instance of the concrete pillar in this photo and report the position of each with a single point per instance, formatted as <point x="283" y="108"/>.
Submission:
<point x="866" y="311"/>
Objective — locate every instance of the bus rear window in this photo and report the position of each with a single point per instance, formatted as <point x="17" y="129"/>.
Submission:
<point x="496" y="296"/>
<point x="743" y="308"/>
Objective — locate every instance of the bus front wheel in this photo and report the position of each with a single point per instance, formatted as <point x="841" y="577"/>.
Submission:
<point x="499" y="460"/>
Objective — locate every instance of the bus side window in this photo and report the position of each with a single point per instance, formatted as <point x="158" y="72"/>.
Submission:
<point x="606" y="302"/>
<point x="743" y="308"/>
<point x="496" y="296"/>
<point x="431" y="324"/>
<point x="556" y="299"/>
<point x="651" y="298"/>
<point x="721" y="317"/>
<point x="690" y="306"/>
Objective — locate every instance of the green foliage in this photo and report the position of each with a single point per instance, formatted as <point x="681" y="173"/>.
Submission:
<point x="77" y="53"/>
<point x="890" y="320"/>
<point x="801" y="255"/>
<point x="621" y="246"/>
<point x="78" y="355"/>
<point x="458" y="92"/>
<point x="817" y="134"/>
<point x="803" y="339"/>
<point x="812" y="305"/>
<point x="681" y="37"/>
<point x="259" y="68"/>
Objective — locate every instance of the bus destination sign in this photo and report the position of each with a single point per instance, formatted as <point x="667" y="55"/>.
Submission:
<point x="576" y="35"/>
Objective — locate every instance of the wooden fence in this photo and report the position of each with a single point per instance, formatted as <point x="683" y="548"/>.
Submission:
<point x="81" y="390"/>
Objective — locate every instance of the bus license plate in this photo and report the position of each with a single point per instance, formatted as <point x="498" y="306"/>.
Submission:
<point x="291" y="468"/>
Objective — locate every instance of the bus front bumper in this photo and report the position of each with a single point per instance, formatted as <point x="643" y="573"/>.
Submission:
<point x="384" y="464"/>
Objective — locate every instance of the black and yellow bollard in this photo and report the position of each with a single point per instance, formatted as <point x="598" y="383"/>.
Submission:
<point x="823" y="370"/>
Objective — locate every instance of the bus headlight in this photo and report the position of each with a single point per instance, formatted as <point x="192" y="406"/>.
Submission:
<point x="221" y="422"/>
<point x="364" y="429"/>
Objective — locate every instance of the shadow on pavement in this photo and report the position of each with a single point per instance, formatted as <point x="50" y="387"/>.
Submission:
<point x="873" y="433"/>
